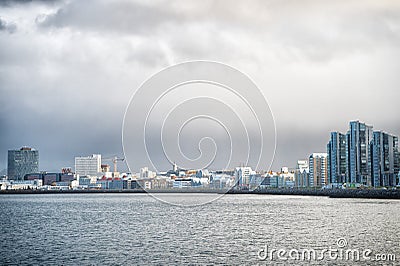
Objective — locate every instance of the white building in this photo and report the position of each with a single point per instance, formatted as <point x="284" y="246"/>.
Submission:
<point x="302" y="165"/>
<point x="284" y="170"/>
<point x="88" y="165"/>
<point x="21" y="184"/>
<point x="146" y="173"/>
<point x="242" y="176"/>
<point x="301" y="175"/>
<point x="181" y="183"/>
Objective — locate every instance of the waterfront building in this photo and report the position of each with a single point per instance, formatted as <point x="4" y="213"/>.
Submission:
<point x="67" y="177"/>
<point x="182" y="183"/>
<point x="363" y="157"/>
<point x="318" y="172"/>
<point x="202" y="173"/>
<point x="21" y="184"/>
<point x="115" y="183"/>
<point x="286" y="178"/>
<point x="301" y="174"/>
<point x="270" y="181"/>
<point x="105" y="168"/>
<point x="22" y="162"/>
<point x="385" y="159"/>
<point x="303" y="178"/>
<point x="88" y="165"/>
<point x="87" y="180"/>
<point x="242" y="176"/>
<point x="4" y="184"/>
<point x="221" y="180"/>
<point x="255" y="180"/>
<point x="284" y="170"/>
<point x="33" y="176"/>
<point x="162" y="182"/>
<point x="50" y="178"/>
<point x="146" y="173"/>
<point x="359" y="138"/>
<point x="337" y="150"/>
<point x="276" y="180"/>
<point x="105" y="171"/>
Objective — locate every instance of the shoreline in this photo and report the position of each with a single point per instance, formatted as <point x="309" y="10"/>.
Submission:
<point x="332" y="193"/>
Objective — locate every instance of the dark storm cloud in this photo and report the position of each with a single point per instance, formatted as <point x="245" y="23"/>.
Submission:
<point x="7" y="3"/>
<point x="310" y="30"/>
<point x="127" y="16"/>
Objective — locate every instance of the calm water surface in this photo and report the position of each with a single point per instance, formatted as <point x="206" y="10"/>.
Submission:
<point x="136" y="229"/>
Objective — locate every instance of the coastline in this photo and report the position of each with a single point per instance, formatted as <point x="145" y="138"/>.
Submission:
<point x="332" y="193"/>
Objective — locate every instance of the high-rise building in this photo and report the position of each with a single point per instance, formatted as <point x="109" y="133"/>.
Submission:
<point x="337" y="150"/>
<point x="21" y="162"/>
<point x="318" y="175"/>
<point x="88" y="165"/>
<point x="359" y="138"/>
<point x="385" y="159"/>
<point x="301" y="174"/>
<point x="363" y="156"/>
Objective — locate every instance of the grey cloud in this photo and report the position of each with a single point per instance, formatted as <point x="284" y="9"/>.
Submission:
<point x="65" y="80"/>
<point x="307" y="30"/>
<point x="115" y="16"/>
<point x="9" y="27"/>
<point x="8" y="3"/>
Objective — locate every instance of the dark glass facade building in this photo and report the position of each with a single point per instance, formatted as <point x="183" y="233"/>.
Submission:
<point x="21" y="162"/>
<point x="385" y="159"/>
<point x="359" y="138"/>
<point x="363" y="156"/>
<point x="337" y="150"/>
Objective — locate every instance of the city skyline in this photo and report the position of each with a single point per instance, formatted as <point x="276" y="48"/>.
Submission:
<point x="338" y="160"/>
<point x="66" y="77"/>
<point x="187" y="132"/>
<point x="361" y="158"/>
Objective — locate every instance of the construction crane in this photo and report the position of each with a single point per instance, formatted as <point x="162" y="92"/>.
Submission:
<point x="114" y="159"/>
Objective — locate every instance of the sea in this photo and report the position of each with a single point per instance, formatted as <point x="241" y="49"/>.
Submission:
<point x="141" y="229"/>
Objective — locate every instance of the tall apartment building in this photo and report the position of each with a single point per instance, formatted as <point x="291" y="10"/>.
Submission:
<point x="88" y="165"/>
<point x="337" y="150"/>
<point x="21" y="162"/>
<point x="385" y="159"/>
<point x="359" y="138"/>
<point x="318" y="175"/>
<point x="363" y="156"/>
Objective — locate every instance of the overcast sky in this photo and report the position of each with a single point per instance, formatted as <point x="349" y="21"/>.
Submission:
<point x="68" y="68"/>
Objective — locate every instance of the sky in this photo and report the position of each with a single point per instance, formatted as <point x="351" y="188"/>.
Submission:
<point x="69" y="68"/>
